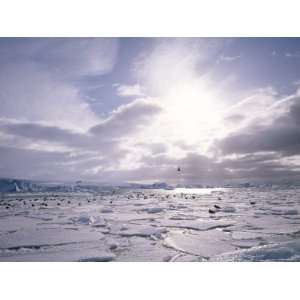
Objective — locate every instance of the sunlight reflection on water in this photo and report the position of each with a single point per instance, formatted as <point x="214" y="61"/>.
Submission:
<point x="202" y="191"/>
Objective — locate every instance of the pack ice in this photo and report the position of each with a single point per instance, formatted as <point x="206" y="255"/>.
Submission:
<point x="238" y="224"/>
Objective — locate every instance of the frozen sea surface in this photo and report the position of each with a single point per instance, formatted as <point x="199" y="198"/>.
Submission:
<point x="152" y="225"/>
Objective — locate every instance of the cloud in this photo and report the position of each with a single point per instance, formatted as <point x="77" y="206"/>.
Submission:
<point x="173" y="61"/>
<point x="179" y="114"/>
<point x="63" y="57"/>
<point x="40" y="132"/>
<point x="292" y="55"/>
<point x="32" y="164"/>
<point x="122" y="123"/>
<point x="281" y="135"/>
<point x="28" y="94"/>
<point x="101" y="148"/>
<point x="51" y="165"/>
<point x="178" y="73"/>
<point x="129" y="90"/>
<point x="229" y="58"/>
<point x="127" y="119"/>
<point x="260" y="167"/>
<point x="37" y="79"/>
<point x="235" y="118"/>
<point x="195" y="169"/>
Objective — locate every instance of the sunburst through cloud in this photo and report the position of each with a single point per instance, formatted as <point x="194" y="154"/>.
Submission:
<point x="153" y="148"/>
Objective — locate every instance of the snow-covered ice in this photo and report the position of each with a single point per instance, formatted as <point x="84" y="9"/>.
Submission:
<point x="152" y="225"/>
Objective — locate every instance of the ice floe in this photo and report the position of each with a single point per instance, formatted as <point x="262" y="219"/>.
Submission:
<point x="160" y="225"/>
<point x="204" y="244"/>
<point x="288" y="251"/>
<point x="143" y="231"/>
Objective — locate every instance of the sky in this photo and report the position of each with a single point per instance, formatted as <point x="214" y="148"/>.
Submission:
<point x="116" y="110"/>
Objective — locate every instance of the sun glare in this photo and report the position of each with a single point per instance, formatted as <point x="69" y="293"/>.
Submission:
<point x="191" y="114"/>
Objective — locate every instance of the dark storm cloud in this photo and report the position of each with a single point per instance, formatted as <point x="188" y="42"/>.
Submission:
<point x="282" y="136"/>
<point x="249" y="161"/>
<point x="199" y="169"/>
<point x="85" y="143"/>
<point x="260" y="167"/>
<point x="42" y="132"/>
